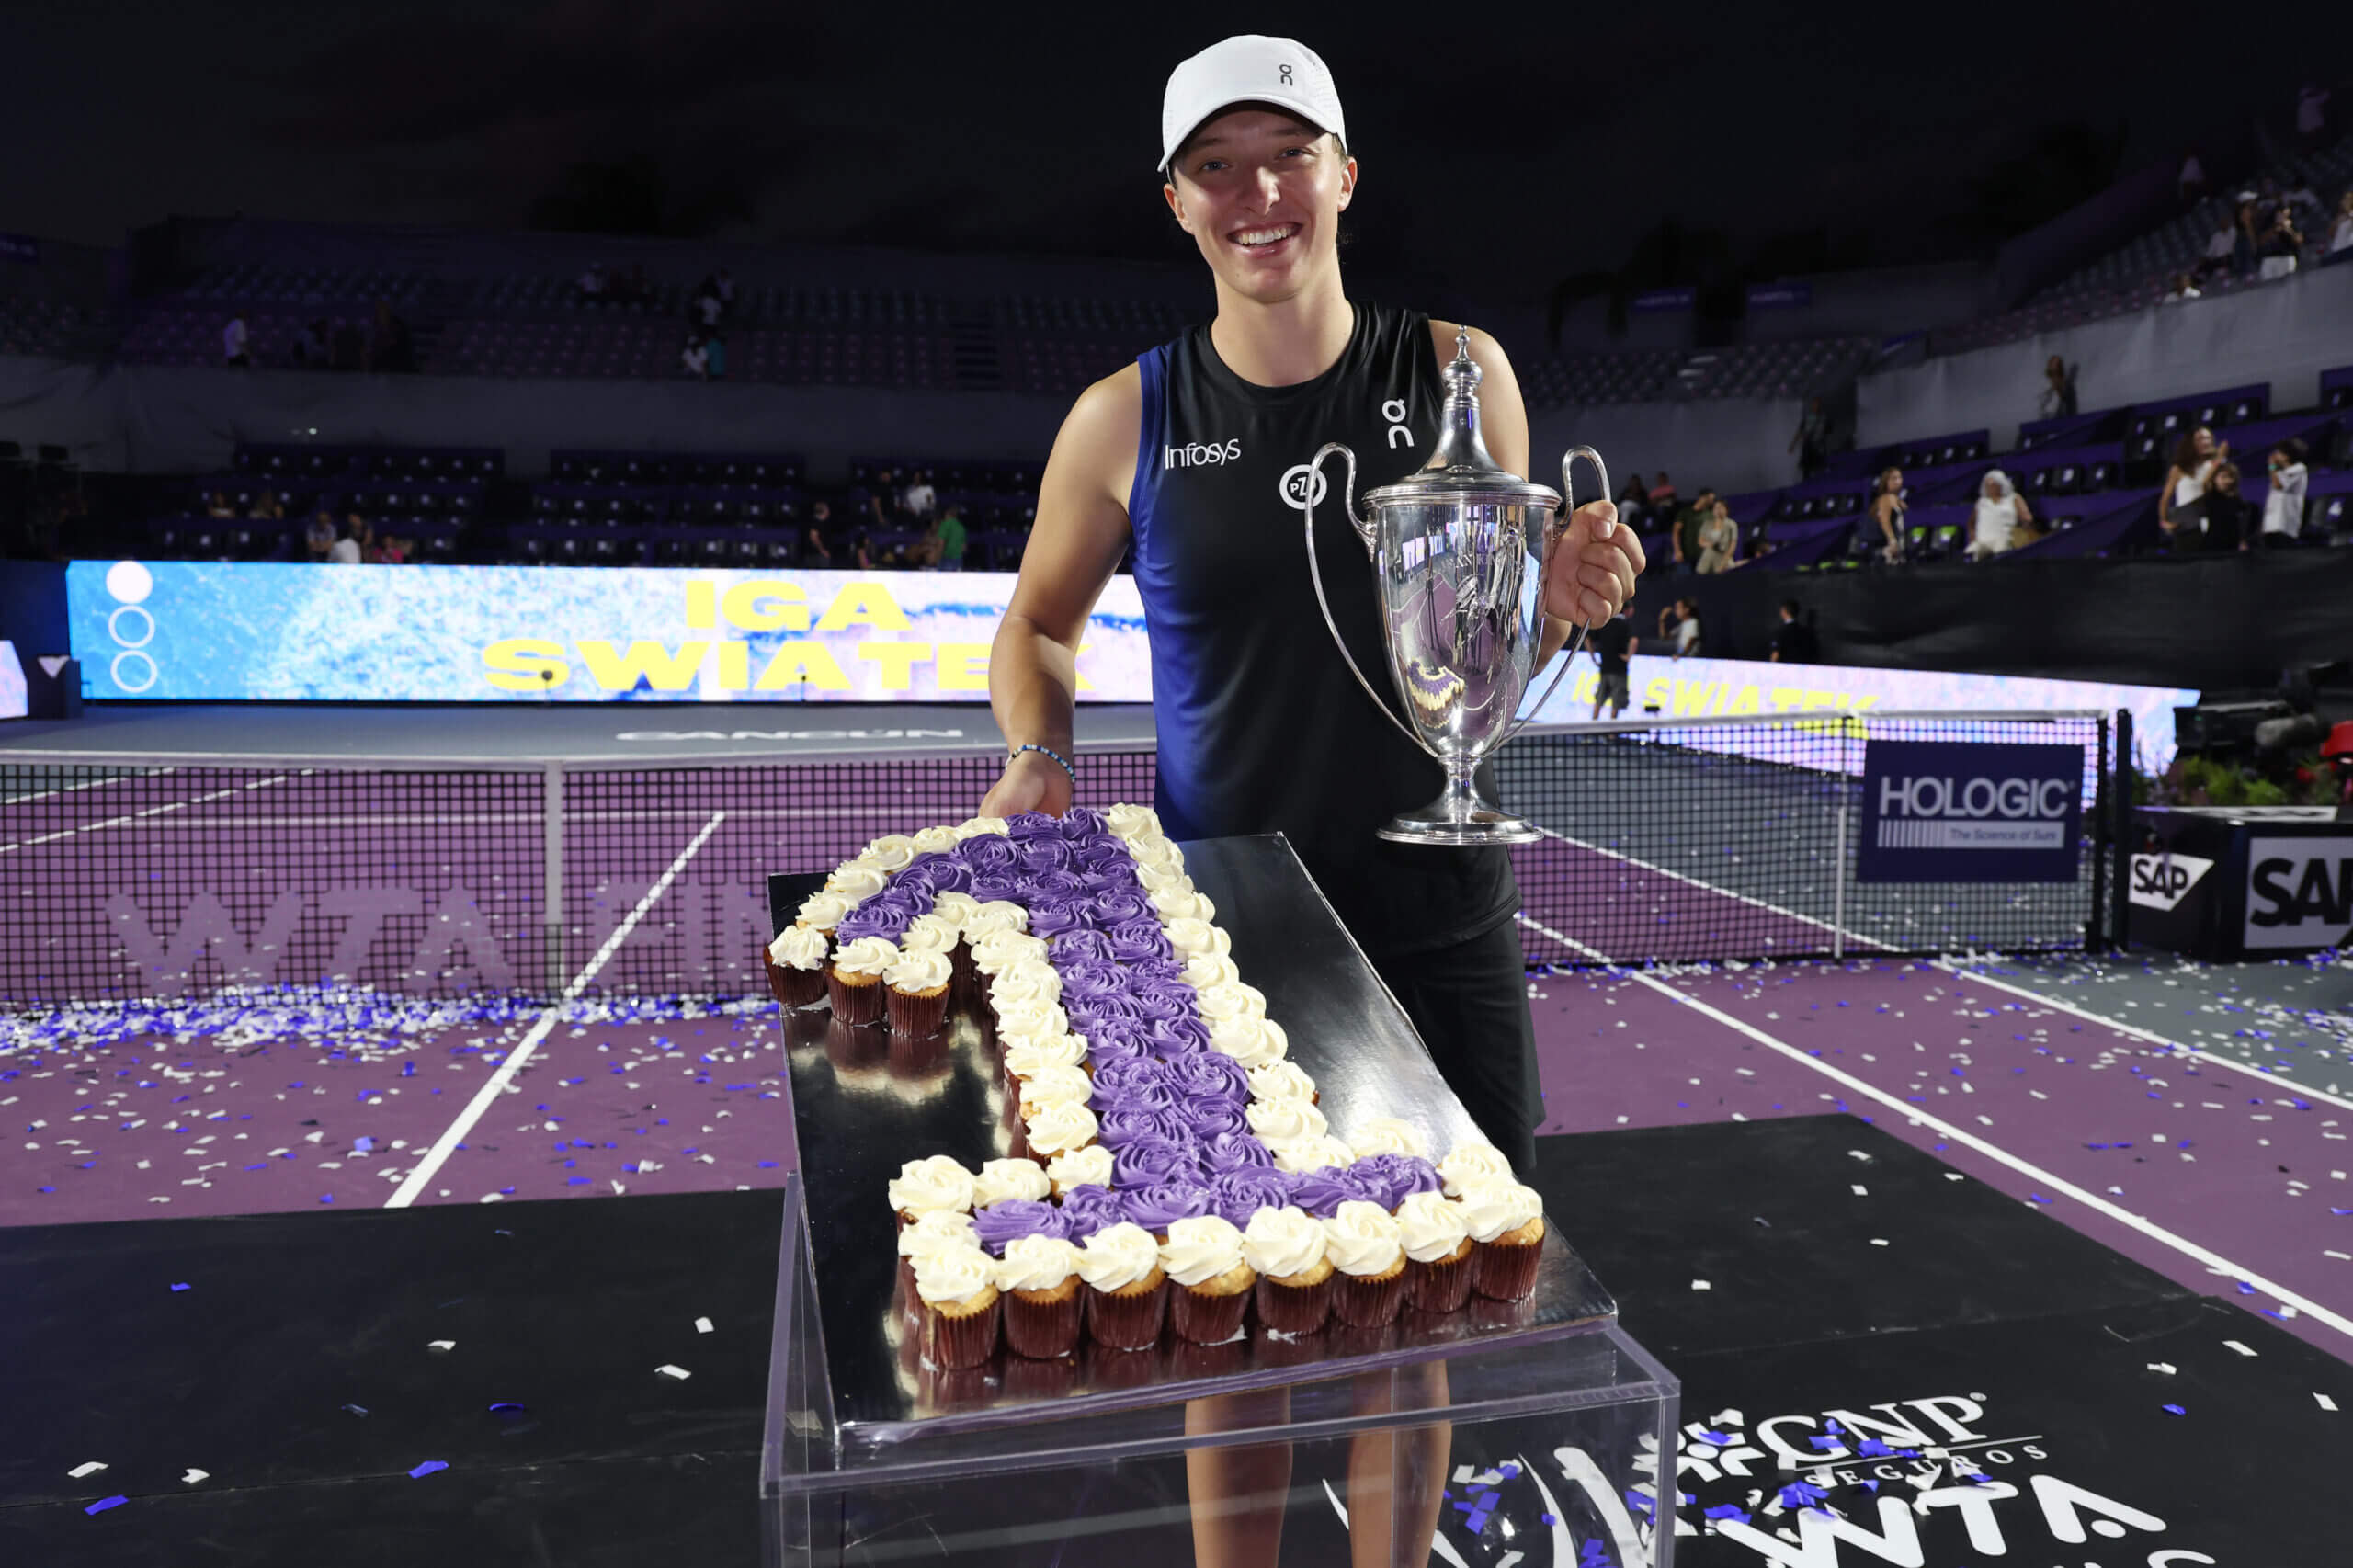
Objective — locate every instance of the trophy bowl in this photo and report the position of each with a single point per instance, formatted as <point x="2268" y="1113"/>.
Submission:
<point x="1461" y="618"/>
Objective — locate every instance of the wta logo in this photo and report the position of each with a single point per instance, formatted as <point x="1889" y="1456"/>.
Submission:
<point x="1203" y="454"/>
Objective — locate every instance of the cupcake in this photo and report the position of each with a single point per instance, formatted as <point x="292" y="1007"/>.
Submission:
<point x="1507" y="1223"/>
<point x="1037" y="1278"/>
<point x="1309" y="1153"/>
<point x="1010" y="1219"/>
<point x="796" y="965"/>
<point x="916" y="1003"/>
<point x="854" y="979"/>
<point x="1210" y="1285"/>
<point x="924" y="1187"/>
<point x="1090" y="1166"/>
<point x="957" y="1287"/>
<point x="1058" y="1129"/>
<point x="1389" y="1135"/>
<point x="940" y="1230"/>
<point x="1286" y="1248"/>
<point x="1438" y="1251"/>
<point x="1000" y="1179"/>
<point x="821" y="911"/>
<point x="1031" y="1051"/>
<point x="1052" y="1087"/>
<point x="1127" y="1292"/>
<point x="1093" y="1209"/>
<point x="1363" y="1244"/>
<point x="1162" y="1205"/>
<point x="1280" y="1121"/>
<point x="1280" y="1080"/>
<point x="1469" y="1164"/>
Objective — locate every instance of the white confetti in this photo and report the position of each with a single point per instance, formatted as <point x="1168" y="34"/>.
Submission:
<point x="1954" y="1176"/>
<point x="1879" y="1241"/>
<point x="193" y="1476"/>
<point x="1701" y="1285"/>
<point x="92" y="1468"/>
<point x="702" y="1325"/>
<point x="1860" y="1190"/>
<point x="2164" y="1367"/>
<point x="441" y="1346"/>
<point x="2326" y="1402"/>
<point x="667" y="1370"/>
<point x="2238" y="1347"/>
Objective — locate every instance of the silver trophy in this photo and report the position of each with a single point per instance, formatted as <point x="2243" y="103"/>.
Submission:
<point x="1450" y="547"/>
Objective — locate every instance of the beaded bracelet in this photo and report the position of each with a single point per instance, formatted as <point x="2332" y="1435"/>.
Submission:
<point x="1049" y="752"/>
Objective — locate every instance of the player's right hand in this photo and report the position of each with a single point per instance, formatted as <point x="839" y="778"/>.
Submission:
<point x="1032" y="781"/>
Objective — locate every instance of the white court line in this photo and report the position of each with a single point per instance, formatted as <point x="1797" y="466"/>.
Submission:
<point x="138" y="819"/>
<point x="488" y="1094"/>
<point x="122" y="778"/>
<point x="2040" y="1177"/>
<point x="1710" y="887"/>
<point x="2120" y="1026"/>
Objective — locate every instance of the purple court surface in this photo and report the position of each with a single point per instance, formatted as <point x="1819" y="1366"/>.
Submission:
<point x="2226" y="1177"/>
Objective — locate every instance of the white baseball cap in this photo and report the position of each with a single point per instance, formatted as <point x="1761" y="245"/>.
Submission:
<point x="1247" y="68"/>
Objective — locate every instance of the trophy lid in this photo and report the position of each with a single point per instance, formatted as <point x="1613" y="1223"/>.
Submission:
<point x="1461" y="470"/>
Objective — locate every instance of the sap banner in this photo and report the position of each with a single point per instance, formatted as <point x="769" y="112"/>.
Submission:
<point x="1969" y="811"/>
<point x="220" y="631"/>
<point x="2300" y="892"/>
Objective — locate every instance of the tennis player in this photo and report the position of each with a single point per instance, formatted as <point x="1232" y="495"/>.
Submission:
<point x="1195" y="457"/>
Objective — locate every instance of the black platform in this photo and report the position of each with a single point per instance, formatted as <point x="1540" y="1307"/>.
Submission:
<point x="568" y="1307"/>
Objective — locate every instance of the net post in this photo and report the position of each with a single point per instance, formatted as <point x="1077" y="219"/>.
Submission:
<point x="2120" y="831"/>
<point x="1838" y="848"/>
<point x="2096" y="928"/>
<point x="551" y="896"/>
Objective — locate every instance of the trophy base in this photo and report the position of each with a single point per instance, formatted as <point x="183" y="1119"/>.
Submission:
<point x="1459" y="819"/>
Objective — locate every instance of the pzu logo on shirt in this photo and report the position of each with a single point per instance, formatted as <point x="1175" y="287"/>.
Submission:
<point x="1203" y="454"/>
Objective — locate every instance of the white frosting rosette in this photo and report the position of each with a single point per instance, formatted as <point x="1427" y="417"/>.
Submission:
<point x="930" y="934"/>
<point x="1163" y="878"/>
<point x="1192" y="937"/>
<point x="1253" y="1042"/>
<point x="822" y="910"/>
<point x="1056" y="1085"/>
<point x="799" y="947"/>
<point x="955" y="908"/>
<point x="995" y="952"/>
<point x="1469" y="1164"/>
<point x="920" y="971"/>
<point x="973" y="827"/>
<point x="891" y="852"/>
<point x="1030" y="1017"/>
<point x="1035" y="1263"/>
<point x="856" y="881"/>
<point x="999" y="1179"/>
<point x="1132" y="822"/>
<point x="1024" y="979"/>
<point x="1280" y="1081"/>
<point x="935" y="1228"/>
<point x="1309" y="1153"/>
<point x="1361" y="1238"/>
<point x="1205" y="970"/>
<point x="1389" y="1135"/>
<point x="1492" y="1207"/>
<point x="1430" y="1227"/>
<point x="1223" y="1004"/>
<point x="1060" y="1129"/>
<point x="923" y="1186"/>
<point x="1285" y="1121"/>
<point x="867" y="955"/>
<point x="1032" y="1054"/>
<point x="936" y="841"/>
<point x="1090" y="1166"/>
<point x="1182" y="901"/>
<point x="1200" y="1248"/>
<point x="954" y="1274"/>
<point x="1282" y="1242"/>
<point x="998" y="914"/>
<point x="1118" y="1256"/>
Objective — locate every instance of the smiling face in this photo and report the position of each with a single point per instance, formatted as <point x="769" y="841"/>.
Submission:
<point x="1261" y="191"/>
<point x="2204" y="441"/>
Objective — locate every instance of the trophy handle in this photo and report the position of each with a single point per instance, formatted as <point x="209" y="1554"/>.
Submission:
<point x="1315" y="569"/>
<point x="1556" y="529"/>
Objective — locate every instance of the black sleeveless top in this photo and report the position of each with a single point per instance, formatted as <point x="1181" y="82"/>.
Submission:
<point x="1261" y="727"/>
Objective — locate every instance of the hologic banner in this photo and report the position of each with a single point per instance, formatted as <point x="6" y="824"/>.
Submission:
<point x="220" y="631"/>
<point x="1969" y="811"/>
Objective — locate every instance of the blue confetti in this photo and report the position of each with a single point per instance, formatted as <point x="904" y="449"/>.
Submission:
<point x="179" y="1287"/>
<point x="2176" y="1410"/>
<point x="103" y="1503"/>
<point x="427" y="1467"/>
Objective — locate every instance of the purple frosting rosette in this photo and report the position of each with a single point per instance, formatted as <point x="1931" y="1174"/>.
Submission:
<point x="1161" y="1205"/>
<point x="1322" y="1192"/>
<point x="1235" y="1196"/>
<point x="1235" y="1152"/>
<point x="1087" y="1209"/>
<point x="1390" y="1179"/>
<point x="1121" y="1074"/>
<point x="1209" y="1077"/>
<point x="1010" y="1219"/>
<point x="1128" y="1122"/>
<point x="1148" y="1161"/>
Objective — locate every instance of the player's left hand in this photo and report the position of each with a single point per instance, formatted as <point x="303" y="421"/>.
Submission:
<point x="1592" y="574"/>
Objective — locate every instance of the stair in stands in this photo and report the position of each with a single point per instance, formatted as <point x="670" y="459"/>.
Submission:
<point x="972" y="355"/>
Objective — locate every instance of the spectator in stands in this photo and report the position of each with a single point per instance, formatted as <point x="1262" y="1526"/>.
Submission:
<point x="2231" y="522"/>
<point x="318" y="539"/>
<point x="592" y="282"/>
<point x="2059" y="387"/>
<point x="1812" y="442"/>
<point x="2183" y="288"/>
<point x="882" y="502"/>
<point x="266" y="507"/>
<point x="818" y="542"/>
<point x="1612" y="645"/>
<point x="351" y="545"/>
<point x="861" y="550"/>
<point x="1679" y="623"/>
<point x="1687" y="524"/>
<point x="695" y="358"/>
<point x="232" y="343"/>
<point x="1719" y="538"/>
<point x="924" y="554"/>
<point x="1794" y="639"/>
<point x="724" y="284"/>
<point x="714" y="353"/>
<point x="2284" y="504"/>
<point x="2340" y="235"/>
<point x="2001" y="512"/>
<point x="952" y="538"/>
<point x="2280" y="245"/>
<point x="2246" y="239"/>
<point x="2220" y="247"/>
<point x="389" y="551"/>
<point x="1662" y="497"/>
<point x="2191" y="185"/>
<point x="2194" y="457"/>
<point x="217" y="505"/>
<point x="310" y="348"/>
<point x="1633" y="501"/>
<point x="1885" y="513"/>
<point x="919" y="499"/>
<point x="705" y="306"/>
